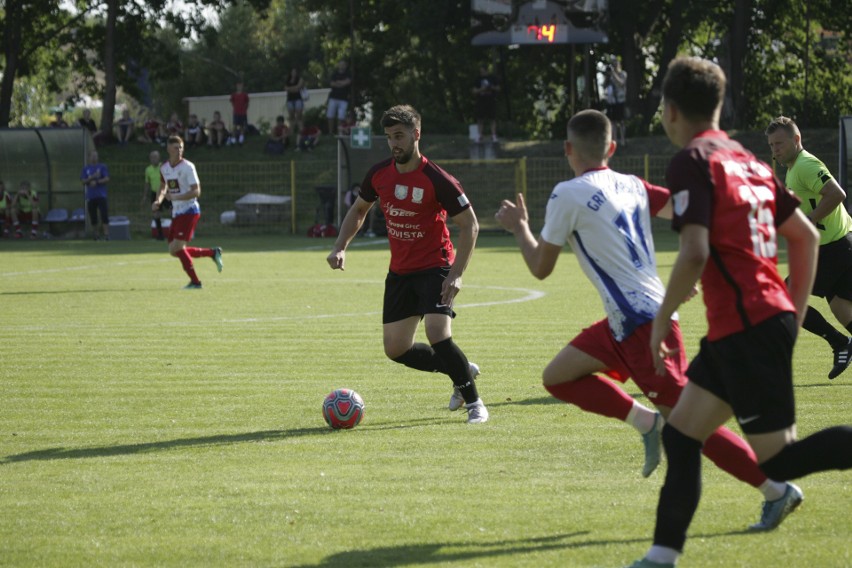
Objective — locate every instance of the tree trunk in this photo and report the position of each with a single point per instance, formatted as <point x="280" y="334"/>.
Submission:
<point x="108" y="114"/>
<point x="739" y="45"/>
<point x="12" y="41"/>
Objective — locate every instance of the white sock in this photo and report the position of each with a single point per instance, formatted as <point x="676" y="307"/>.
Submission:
<point x="662" y="554"/>
<point x="641" y="418"/>
<point x="772" y="490"/>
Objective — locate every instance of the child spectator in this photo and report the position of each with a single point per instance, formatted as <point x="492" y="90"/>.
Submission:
<point x="217" y="133"/>
<point x="174" y="127"/>
<point x="194" y="134"/>
<point x="153" y="131"/>
<point x="278" y="138"/>
<point x="308" y="138"/>
<point x="59" y="122"/>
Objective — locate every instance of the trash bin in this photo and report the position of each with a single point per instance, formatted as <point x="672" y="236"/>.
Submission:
<point x="119" y="229"/>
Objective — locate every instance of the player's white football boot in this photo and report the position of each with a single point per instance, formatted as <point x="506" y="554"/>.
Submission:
<point x="653" y="442"/>
<point x="776" y="511"/>
<point x="476" y="412"/>
<point x="457" y="400"/>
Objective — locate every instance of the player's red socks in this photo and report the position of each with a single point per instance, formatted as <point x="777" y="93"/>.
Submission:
<point x="195" y="252"/>
<point x="594" y="394"/>
<point x="186" y="260"/>
<point x="732" y="454"/>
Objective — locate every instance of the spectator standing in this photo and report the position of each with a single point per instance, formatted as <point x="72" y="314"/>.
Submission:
<point x="58" y="121"/>
<point x="150" y="190"/>
<point x="217" y="132"/>
<point x="87" y="122"/>
<point x="485" y="89"/>
<point x="618" y="81"/>
<point x="295" y="104"/>
<point x="180" y="185"/>
<point x="822" y="203"/>
<point x="124" y="128"/>
<point x="240" y="104"/>
<point x="279" y="137"/>
<point x="95" y="177"/>
<point x="194" y="132"/>
<point x="425" y="268"/>
<point x="338" y="97"/>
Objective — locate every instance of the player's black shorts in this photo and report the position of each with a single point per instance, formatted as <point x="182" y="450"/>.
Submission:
<point x="753" y="372"/>
<point x="414" y="294"/>
<point x="834" y="270"/>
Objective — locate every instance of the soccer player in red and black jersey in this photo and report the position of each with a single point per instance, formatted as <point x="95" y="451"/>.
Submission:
<point x="426" y="270"/>
<point x="728" y="208"/>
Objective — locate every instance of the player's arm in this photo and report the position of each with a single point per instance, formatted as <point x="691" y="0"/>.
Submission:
<point x="802" y="245"/>
<point x="194" y="192"/>
<point x="540" y="255"/>
<point x="348" y="229"/>
<point x="832" y="195"/>
<point x="161" y="195"/>
<point x="468" y="232"/>
<point x="692" y="256"/>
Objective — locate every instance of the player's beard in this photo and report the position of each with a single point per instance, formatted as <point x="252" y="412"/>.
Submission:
<point x="403" y="157"/>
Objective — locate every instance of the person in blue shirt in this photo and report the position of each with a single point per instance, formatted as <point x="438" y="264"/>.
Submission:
<point x="95" y="177"/>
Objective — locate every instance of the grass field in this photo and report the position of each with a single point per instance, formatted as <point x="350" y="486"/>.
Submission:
<point x="144" y="425"/>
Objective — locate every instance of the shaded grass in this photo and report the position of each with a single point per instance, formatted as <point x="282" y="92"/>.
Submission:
<point x="145" y="425"/>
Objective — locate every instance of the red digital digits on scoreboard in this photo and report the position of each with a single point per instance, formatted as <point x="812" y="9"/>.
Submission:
<point x="545" y="32"/>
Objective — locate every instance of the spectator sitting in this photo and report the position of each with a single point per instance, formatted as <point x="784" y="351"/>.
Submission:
<point x="24" y="209"/>
<point x="194" y="132"/>
<point x="58" y="121"/>
<point x="308" y="138"/>
<point x="153" y="131"/>
<point x="174" y="127"/>
<point x="124" y="128"/>
<point x="278" y="138"/>
<point x="217" y="133"/>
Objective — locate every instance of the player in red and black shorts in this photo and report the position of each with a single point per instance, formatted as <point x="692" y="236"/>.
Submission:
<point x="416" y="197"/>
<point x="728" y="208"/>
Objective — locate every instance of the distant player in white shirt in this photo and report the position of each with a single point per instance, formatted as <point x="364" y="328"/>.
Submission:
<point x="180" y="186"/>
<point x="606" y="218"/>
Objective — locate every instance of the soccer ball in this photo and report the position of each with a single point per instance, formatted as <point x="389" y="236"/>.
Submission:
<point x="343" y="409"/>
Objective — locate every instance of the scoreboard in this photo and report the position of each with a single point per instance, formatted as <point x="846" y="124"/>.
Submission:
<point x="538" y="22"/>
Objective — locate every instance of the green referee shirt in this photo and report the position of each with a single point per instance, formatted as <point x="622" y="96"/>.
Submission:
<point x="152" y="176"/>
<point x="806" y="179"/>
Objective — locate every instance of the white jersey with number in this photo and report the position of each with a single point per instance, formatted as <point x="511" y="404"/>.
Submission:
<point x="179" y="181"/>
<point x="606" y="218"/>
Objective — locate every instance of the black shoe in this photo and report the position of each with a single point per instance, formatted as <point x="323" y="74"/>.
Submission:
<point x="842" y="358"/>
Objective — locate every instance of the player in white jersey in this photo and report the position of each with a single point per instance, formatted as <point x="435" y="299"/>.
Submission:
<point x="606" y="218"/>
<point x="179" y="184"/>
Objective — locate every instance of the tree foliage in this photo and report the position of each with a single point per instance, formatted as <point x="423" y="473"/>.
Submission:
<point x="776" y="53"/>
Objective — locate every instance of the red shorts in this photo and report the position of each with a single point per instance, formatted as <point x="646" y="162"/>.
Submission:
<point x="631" y="358"/>
<point x="183" y="227"/>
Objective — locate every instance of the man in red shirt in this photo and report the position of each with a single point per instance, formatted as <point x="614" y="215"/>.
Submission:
<point x="240" y="103"/>
<point x="728" y="208"/>
<point x="426" y="270"/>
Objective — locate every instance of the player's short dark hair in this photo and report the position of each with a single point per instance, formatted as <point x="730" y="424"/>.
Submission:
<point x="695" y="86"/>
<point x="175" y="139"/>
<point x="405" y="115"/>
<point x="784" y="123"/>
<point x="591" y="131"/>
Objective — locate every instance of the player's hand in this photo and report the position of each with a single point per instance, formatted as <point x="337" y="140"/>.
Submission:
<point x="512" y="215"/>
<point x="660" y="330"/>
<point x="155" y="206"/>
<point x="692" y="293"/>
<point x="449" y="289"/>
<point x="337" y="259"/>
